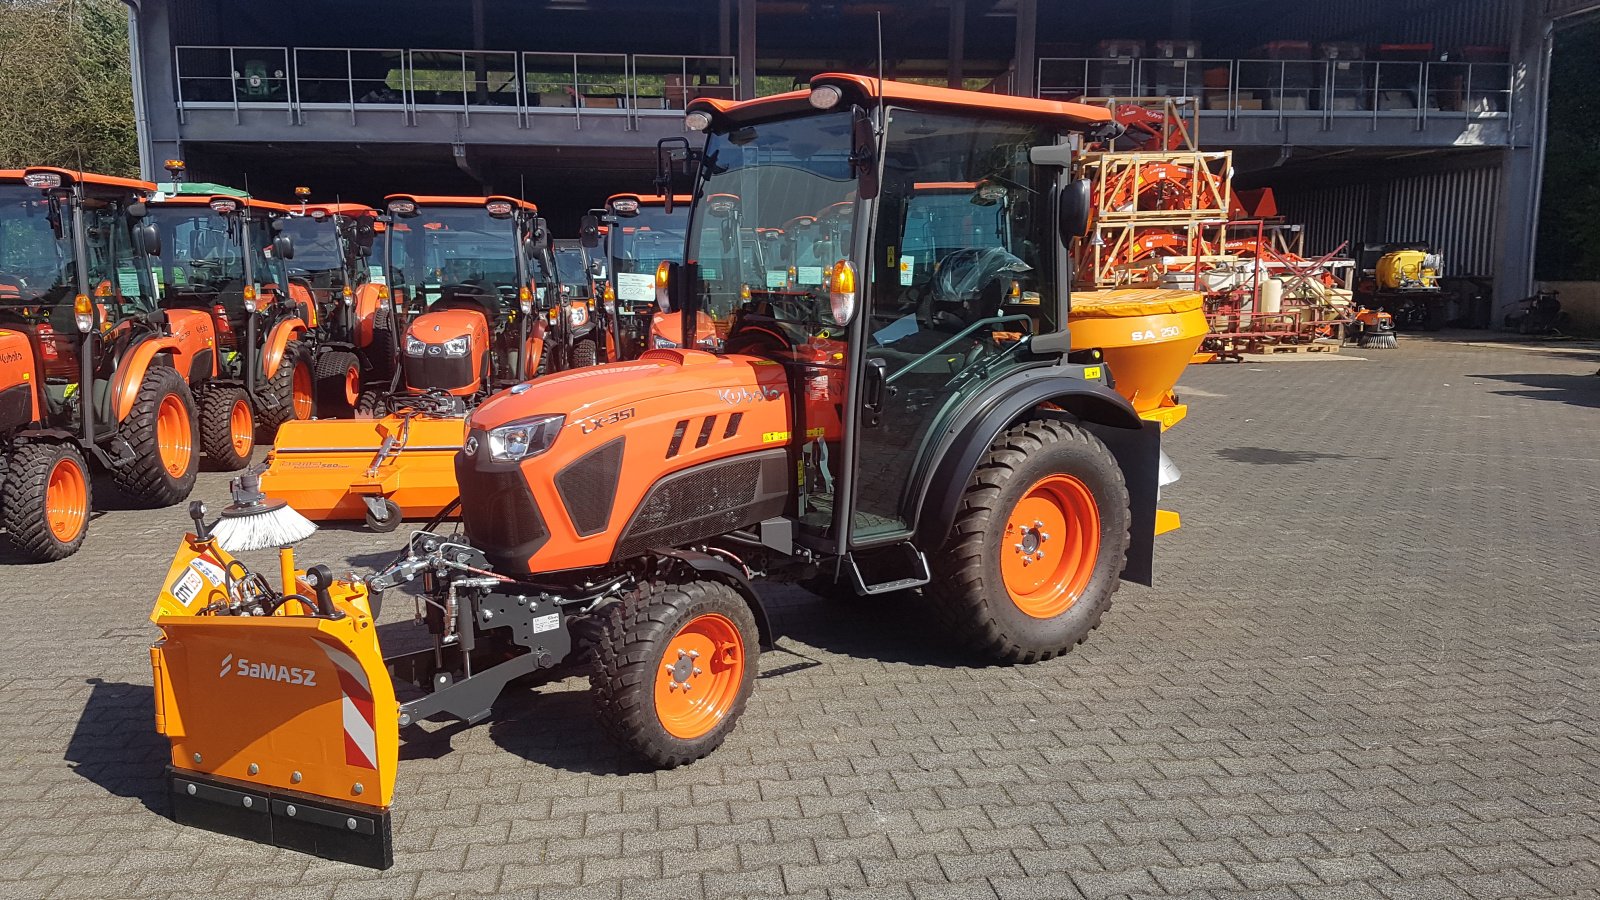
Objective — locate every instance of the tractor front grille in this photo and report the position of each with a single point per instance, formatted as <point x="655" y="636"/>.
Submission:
<point x="443" y="373"/>
<point x="500" y="516"/>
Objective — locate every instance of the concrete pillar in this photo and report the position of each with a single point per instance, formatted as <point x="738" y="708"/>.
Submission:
<point x="1026" y="59"/>
<point x="1522" y="171"/>
<point x="747" y="49"/>
<point x="156" y="109"/>
<point x="958" y="43"/>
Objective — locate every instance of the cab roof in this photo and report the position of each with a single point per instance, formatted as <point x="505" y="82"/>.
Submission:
<point x="87" y="179"/>
<point x="437" y="200"/>
<point x="335" y="209"/>
<point x="206" y="189"/>
<point x="861" y="88"/>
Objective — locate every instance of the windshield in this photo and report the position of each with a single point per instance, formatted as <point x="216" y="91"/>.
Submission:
<point x="572" y="269"/>
<point x="757" y="180"/>
<point x="940" y="219"/>
<point x="642" y="242"/>
<point x="36" y="259"/>
<point x="444" y="247"/>
<point x="197" y="252"/>
<point x="318" y="252"/>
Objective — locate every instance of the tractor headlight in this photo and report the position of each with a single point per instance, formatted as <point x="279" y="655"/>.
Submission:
<point x="415" y="346"/>
<point x="457" y="346"/>
<point x="664" y="344"/>
<point x="525" y="438"/>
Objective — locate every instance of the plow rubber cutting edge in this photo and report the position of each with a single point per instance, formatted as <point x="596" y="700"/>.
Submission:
<point x="324" y="468"/>
<point x="284" y="728"/>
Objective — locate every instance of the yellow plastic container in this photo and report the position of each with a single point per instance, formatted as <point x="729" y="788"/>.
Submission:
<point x="1148" y="337"/>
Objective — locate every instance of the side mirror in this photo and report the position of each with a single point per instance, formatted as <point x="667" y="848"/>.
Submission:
<point x="538" y="238"/>
<point x="137" y="210"/>
<point x="148" y="238"/>
<point x="1077" y="201"/>
<point x="589" y="232"/>
<point x="283" y="247"/>
<point x="668" y="274"/>
<point x="666" y="166"/>
<point x="864" y="155"/>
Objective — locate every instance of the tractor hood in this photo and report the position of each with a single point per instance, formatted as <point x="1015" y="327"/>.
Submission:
<point x="445" y="324"/>
<point x="583" y="393"/>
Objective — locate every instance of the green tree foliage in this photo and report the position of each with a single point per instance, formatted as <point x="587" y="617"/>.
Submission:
<point x="65" y="92"/>
<point x="1569" y="227"/>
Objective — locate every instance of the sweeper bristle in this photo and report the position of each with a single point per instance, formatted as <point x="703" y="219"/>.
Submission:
<point x="1379" y="342"/>
<point x="264" y="527"/>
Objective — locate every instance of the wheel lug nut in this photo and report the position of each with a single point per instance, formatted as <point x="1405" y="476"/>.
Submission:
<point x="697" y="671"/>
<point x="694" y="654"/>
<point x="1044" y="535"/>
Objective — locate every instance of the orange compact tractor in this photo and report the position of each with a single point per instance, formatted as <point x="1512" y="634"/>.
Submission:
<point x="354" y="342"/>
<point x="463" y="274"/>
<point x="89" y="366"/>
<point x="641" y="232"/>
<point x="912" y="426"/>
<point x="223" y="267"/>
<point x="586" y="335"/>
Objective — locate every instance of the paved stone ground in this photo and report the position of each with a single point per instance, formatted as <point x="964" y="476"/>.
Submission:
<point x="1369" y="670"/>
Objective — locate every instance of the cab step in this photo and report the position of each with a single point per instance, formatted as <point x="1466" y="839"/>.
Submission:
<point x="884" y="570"/>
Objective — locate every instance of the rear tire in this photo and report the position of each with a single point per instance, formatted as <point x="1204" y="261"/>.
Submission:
<point x="227" y="428"/>
<point x="584" y="354"/>
<point x="675" y="663"/>
<point x="383" y="353"/>
<point x="1037" y="471"/>
<point x="294" y="387"/>
<point x="45" y="501"/>
<point x="372" y="404"/>
<point x="338" y="379"/>
<point x="164" y="432"/>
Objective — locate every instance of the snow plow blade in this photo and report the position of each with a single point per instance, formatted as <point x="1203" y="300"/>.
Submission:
<point x="284" y="727"/>
<point x="332" y="469"/>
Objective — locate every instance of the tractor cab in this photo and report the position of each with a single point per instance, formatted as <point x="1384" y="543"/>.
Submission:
<point x="87" y="358"/>
<point x="640" y="234"/>
<point x="466" y="276"/>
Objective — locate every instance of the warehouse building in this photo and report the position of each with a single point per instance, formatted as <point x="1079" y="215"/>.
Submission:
<point x="1372" y="120"/>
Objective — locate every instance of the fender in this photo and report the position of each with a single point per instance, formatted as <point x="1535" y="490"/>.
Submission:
<point x="535" y="352"/>
<point x="1135" y="443"/>
<point x="300" y="295"/>
<point x="367" y="301"/>
<point x="277" y="339"/>
<point x="130" y="372"/>
<point x="719" y="569"/>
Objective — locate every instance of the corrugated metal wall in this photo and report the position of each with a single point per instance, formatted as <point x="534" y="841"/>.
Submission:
<point x="1447" y="24"/>
<point x="1455" y="211"/>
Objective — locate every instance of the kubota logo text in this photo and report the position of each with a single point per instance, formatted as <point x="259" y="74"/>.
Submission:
<point x="266" y="671"/>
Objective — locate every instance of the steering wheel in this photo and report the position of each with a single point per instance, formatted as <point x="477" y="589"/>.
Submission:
<point x="15" y="282"/>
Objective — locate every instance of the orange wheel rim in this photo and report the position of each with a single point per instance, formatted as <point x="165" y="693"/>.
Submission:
<point x="302" y="392"/>
<point x="173" y="436"/>
<point x="66" y="500"/>
<point x="700" y="676"/>
<point x="1050" y="546"/>
<point x="352" y="385"/>
<point x="241" y="428"/>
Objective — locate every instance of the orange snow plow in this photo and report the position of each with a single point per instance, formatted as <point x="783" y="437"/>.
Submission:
<point x="281" y="716"/>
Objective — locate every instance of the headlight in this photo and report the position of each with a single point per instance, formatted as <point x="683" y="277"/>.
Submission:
<point x="457" y="346"/>
<point x="415" y="347"/>
<point x="664" y="344"/>
<point x="520" y="440"/>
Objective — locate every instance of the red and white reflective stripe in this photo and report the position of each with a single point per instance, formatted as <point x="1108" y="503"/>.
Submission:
<point x="360" y="728"/>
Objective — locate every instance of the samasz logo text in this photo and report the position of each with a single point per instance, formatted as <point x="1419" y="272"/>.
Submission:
<point x="266" y="671"/>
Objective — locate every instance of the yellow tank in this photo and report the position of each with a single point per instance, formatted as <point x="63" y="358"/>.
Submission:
<point x="1148" y="336"/>
<point x="1409" y="270"/>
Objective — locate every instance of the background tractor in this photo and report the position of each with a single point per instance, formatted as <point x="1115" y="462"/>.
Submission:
<point x="635" y="234"/>
<point x="222" y="268"/>
<point x="463" y="275"/>
<point x="927" y="428"/>
<point x="89" y="366"/>
<point x="354" y="344"/>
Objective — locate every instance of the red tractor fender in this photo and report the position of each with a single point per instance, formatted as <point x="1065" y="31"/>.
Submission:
<point x="535" y="352"/>
<point x="277" y="339"/>
<point x="130" y="374"/>
<point x="195" y="333"/>
<point x="300" y="295"/>
<point x="19" y="371"/>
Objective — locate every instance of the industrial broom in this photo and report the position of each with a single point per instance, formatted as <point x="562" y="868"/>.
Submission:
<point x="254" y="521"/>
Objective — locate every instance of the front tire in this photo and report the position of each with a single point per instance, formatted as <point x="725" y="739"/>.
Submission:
<point x="675" y="663"/>
<point x="227" y="428"/>
<point x="294" y="386"/>
<point x="164" y="433"/>
<point x="372" y="404"/>
<point x="1039" y="545"/>
<point x="45" y="501"/>
<point x="584" y="354"/>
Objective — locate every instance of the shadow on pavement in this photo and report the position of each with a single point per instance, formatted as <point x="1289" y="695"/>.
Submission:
<point x="1575" y="390"/>
<point x="115" y="744"/>
<point x="1267" y="456"/>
